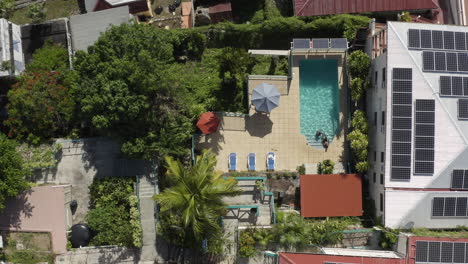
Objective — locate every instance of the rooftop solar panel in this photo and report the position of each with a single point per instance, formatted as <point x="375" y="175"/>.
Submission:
<point x="426" y="39"/>
<point x="447" y="252"/>
<point x="402" y="110"/>
<point x="459" y="252"/>
<point x="301" y="43"/>
<point x="425" y="105"/>
<point x="462" y="62"/>
<point x="402" y="74"/>
<point x="437" y="209"/>
<point x="401" y="148"/>
<point x="400" y="173"/>
<point x="437" y="39"/>
<point x="402" y="98"/>
<point x="425" y="117"/>
<point x="465" y="86"/>
<point x="401" y="160"/>
<point x="463" y="108"/>
<point x="424" y="142"/>
<point x="449" y="40"/>
<point x="460" y="209"/>
<point x="439" y="61"/>
<point x="457" y="179"/>
<point x="320" y="43"/>
<point x="401" y="136"/>
<point x="422" y="248"/>
<point x="401" y="123"/>
<point x="339" y="43"/>
<point x="428" y="60"/>
<point x="449" y="206"/>
<point x="460" y="41"/>
<point x="402" y="86"/>
<point x="452" y="64"/>
<point x="413" y="38"/>
<point x="457" y="86"/>
<point x="445" y="85"/>
<point x="424" y="130"/>
<point x="424" y="154"/>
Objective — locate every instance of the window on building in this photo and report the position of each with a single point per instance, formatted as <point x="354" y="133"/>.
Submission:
<point x="376" y="78"/>
<point x="450" y="207"/>
<point x="460" y="179"/>
<point x="375" y="119"/>
<point x="381" y="179"/>
<point x="381" y="202"/>
<point x="375" y="156"/>
<point x="384" y="77"/>
<point x="374" y="176"/>
<point x="383" y="118"/>
<point x="382" y="157"/>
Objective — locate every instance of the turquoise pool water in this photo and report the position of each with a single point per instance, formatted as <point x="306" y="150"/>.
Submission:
<point x="319" y="98"/>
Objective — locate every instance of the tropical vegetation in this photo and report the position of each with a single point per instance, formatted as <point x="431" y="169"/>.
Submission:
<point x="114" y="214"/>
<point x="192" y="204"/>
<point x="325" y="167"/>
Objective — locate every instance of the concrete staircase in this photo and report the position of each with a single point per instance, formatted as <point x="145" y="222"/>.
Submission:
<point x="146" y="190"/>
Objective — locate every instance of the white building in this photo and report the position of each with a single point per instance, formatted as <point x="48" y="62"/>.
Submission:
<point x="11" y="51"/>
<point x="418" y="115"/>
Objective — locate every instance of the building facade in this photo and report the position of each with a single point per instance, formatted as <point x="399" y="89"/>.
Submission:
<point x="418" y="115"/>
<point x="11" y="52"/>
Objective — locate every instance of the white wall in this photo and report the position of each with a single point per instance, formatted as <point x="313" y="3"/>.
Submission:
<point x="408" y="209"/>
<point x="5" y="47"/>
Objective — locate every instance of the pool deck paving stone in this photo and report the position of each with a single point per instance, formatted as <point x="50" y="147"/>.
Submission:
<point x="277" y="132"/>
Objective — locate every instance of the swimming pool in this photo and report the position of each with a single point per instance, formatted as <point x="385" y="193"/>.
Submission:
<point x="319" y="98"/>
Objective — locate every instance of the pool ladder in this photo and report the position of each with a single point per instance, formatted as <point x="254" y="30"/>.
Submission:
<point x="316" y="143"/>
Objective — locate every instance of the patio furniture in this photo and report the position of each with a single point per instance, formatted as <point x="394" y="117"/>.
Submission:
<point x="271" y="161"/>
<point x="265" y="97"/>
<point x="232" y="161"/>
<point x="251" y="162"/>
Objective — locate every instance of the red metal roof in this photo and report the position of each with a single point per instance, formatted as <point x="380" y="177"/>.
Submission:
<point x="329" y="7"/>
<point x="304" y="258"/>
<point x="331" y="195"/>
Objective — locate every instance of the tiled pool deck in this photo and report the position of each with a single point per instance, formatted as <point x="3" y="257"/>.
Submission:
<point x="278" y="132"/>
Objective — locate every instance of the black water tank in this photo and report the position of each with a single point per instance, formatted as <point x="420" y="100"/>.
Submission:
<point x="80" y="236"/>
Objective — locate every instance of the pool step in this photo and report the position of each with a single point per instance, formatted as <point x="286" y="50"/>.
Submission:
<point x="311" y="141"/>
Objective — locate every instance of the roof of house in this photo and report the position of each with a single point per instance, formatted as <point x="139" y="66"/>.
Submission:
<point x="86" y="28"/>
<point x="306" y="258"/>
<point x="221" y="7"/>
<point x="360" y="253"/>
<point x="327" y="7"/>
<point x="325" y="195"/>
<point x="41" y="209"/>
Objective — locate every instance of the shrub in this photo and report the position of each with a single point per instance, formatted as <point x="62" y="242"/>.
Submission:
<point x="357" y="89"/>
<point x="359" y="143"/>
<point x="358" y="64"/>
<point x="359" y="121"/>
<point x="246" y="244"/>
<point x="36" y="12"/>
<point x="325" y="167"/>
<point x="389" y="238"/>
<point x="301" y="169"/>
<point x="362" y="166"/>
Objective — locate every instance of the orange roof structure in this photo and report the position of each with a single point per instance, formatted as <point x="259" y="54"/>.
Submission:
<point x="324" y="195"/>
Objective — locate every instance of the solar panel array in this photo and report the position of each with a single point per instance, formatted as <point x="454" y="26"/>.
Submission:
<point x="436" y="39"/>
<point x="441" y="252"/>
<point x="460" y="179"/>
<point x="320" y="43"/>
<point x="456" y="86"/>
<point x="462" y="108"/>
<point x="402" y="88"/>
<point x="424" y="136"/>
<point x="450" y="207"/>
<point x="441" y="61"/>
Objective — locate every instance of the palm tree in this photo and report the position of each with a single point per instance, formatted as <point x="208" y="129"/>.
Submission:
<point x="195" y="196"/>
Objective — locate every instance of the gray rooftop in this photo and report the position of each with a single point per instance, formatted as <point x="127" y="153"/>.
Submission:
<point x="86" y="28"/>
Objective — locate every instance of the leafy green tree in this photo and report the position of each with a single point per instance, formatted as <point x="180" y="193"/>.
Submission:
<point x="40" y="107"/>
<point x="359" y="65"/>
<point x="50" y="57"/>
<point x="357" y="89"/>
<point x="36" y="12"/>
<point x="12" y="173"/>
<point x="123" y="90"/>
<point x="359" y="121"/>
<point x="359" y="144"/>
<point x="194" y="200"/>
<point x="326" y="167"/>
<point x="6" y="8"/>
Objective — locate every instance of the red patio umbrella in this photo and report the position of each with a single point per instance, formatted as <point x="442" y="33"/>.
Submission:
<point x="208" y="123"/>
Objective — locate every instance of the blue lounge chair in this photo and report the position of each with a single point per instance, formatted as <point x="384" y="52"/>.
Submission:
<point x="271" y="161"/>
<point x="252" y="161"/>
<point x="232" y="161"/>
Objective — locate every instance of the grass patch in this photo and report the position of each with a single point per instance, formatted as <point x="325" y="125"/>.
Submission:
<point x="53" y="9"/>
<point x="460" y="232"/>
<point x="28" y="248"/>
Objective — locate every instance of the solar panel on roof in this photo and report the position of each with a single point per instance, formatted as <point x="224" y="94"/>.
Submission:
<point x="424" y="154"/>
<point x="402" y="98"/>
<point x="465" y="181"/>
<point x="422" y="248"/>
<point x="428" y="60"/>
<point x="460" y="41"/>
<point x="426" y="39"/>
<point x="439" y="61"/>
<point x="425" y="105"/>
<point x="465" y="86"/>
<point x="457" y="179"/>
<point x="424" y="142"/>
<point x="424" y="130"/>
<point x="398" y="173"/>
<point x="463" y="108"/>
<point x="457" y="86"/>
<point x="449" y="40"/>
<point x="402" y="86"/>
<point x="449" y="207"/>
<point x="401" y="136"/>
<point x="413" y="38"/>
<point x="401" y="148"/>
<point x="437" y="209"/>
<point x="320" y="43"/>
<point x="447" y="252"/>
<point x="460" y="209"/>
<point x="458" y="252"/>
<point x="437" y="39"/>
<point x="424" y="117"/>
<point x="339" y="43"/>
<point x="401" y="160"/>
<point x="452" y="61"/>
<point x="402" y="110"/>
<point x="301" y="43"/>
<point x="445" y="85"/>
<point x="462" y="62"/>
<point x="424" y="139"/>
<point x="402" y="74"/>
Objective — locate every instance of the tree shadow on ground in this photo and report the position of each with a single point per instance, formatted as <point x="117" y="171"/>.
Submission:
<point x="15" y="209"/>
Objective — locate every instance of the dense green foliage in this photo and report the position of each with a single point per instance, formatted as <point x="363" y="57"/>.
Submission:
<point x="12" y="173"/>
<point x="294" y="232"/>
<point x="192" y="206"/>
<point x="41" y="104"/>
<point x="41" y="156"/>
<point x="278" y="32"/>
<point x="36" y="12"/>
<point x="325" y="167"/>
<point x="359" y="121"/>
<point x="6" y="8"/>
<point x="359" y="64"/>
<point x="114" y="213"/>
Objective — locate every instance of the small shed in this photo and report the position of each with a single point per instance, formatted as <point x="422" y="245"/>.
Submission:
<point x="324" y="195"/>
